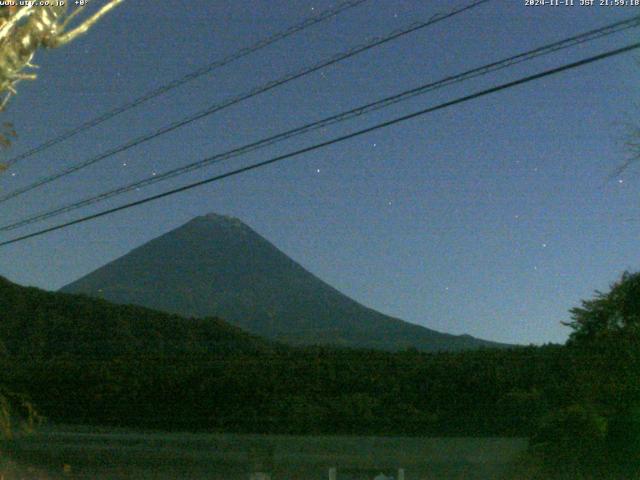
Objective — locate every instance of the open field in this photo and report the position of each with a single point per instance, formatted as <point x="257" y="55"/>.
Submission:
<point x="112" y="454"/>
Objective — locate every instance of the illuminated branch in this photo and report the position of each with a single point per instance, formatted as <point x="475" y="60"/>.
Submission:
<point x="24" y="29"/>
<point x="82" y="28"/>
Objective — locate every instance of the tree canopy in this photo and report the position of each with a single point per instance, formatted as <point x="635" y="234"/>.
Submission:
<point x="611" y="315"/>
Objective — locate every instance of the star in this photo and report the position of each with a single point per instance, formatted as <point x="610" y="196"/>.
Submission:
<point x="621" y="181"/>
<point x="544" y="245"/>
<point x="124" y="164"/>
<point x="317" y="170"/>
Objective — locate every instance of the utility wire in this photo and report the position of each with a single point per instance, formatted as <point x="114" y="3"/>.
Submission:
<point x="204" y="70"/>
<point x="375" y="42"/>
<point x="591" y="35"/>
<point x="482" y="93"/>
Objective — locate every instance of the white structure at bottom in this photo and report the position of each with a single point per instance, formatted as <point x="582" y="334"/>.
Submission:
<point x="259" y="476"/>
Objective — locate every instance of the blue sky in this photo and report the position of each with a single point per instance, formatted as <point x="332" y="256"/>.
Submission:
<point x="491" y="218"/>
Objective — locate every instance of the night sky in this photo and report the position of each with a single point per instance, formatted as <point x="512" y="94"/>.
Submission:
<point x="491" y="218"/>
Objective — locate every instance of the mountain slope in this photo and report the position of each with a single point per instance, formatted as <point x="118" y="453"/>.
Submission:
<point x="217" y="266"/>
<point x="36" y="323"/>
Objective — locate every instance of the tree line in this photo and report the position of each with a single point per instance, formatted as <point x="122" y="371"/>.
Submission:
<point x="81" y="360"/>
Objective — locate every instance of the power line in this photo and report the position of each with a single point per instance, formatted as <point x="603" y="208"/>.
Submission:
<point x="243" y="52"/>
<point x="375" y="42"/>
<point x="591" y="35"/>
<point x="333" y="141"/>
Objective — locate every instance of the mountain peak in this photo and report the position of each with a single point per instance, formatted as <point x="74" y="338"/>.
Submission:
<point x="218" y="217"/>
<point x="219" y="220"/>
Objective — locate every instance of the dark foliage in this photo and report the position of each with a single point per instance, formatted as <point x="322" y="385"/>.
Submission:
<point x="612" y="315"/>
<point x="83" y="360"/>
<point x="88" y="361"/>
<point x="600" y="435"/>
